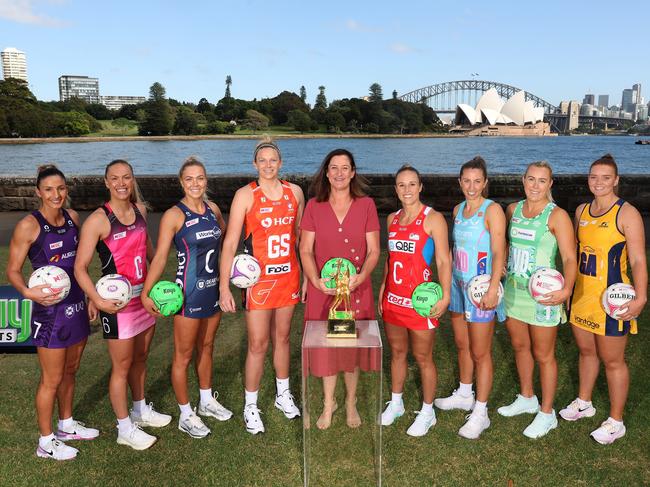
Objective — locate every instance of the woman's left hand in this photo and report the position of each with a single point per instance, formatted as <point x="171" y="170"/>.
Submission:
<point x="438" y="309"/>
<point x="92" y="311"/>
<point x="490" y="299"/>
<point x="555" y="298"/>
<point x="355" y="281"/>
<point x="632" y="309"/>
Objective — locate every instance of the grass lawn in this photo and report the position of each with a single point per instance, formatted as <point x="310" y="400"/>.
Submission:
<point x="231" y="456"/>
<point x="109" y="129"/>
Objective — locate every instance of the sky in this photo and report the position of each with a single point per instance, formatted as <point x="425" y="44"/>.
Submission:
<point x="557" y="50"/>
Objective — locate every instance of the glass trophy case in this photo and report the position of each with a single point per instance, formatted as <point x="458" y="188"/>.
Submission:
<point x="340" y="454"/>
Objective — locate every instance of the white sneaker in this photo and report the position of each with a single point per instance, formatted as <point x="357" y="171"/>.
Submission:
<point x="521" y="405"/>
<point x="455" y="401"/>
<point x="193" y="426"/>
<point x="284" y="402"/>
<point x="541" y="425"/>
<point x="608" y="432"/>
<point x="253" y="420"/>
<point x="78" y="431"/>
<point x="214" y="409"/>
<point x="393" y="411"/>
<point x="423" y="422"/>
<point x="475" y="425"/>
<point x="578" y="409"/>
<point x="136" y="438"/>
<point x="150" y="417"/>
<point x="56" y="450"/>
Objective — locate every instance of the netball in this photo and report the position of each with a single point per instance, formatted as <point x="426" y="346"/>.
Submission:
<point x="115" y="286"/>
<point x="616" y="297"/>
<point x="329" y="270"/>
<point x="543" y="281"/>
<point x="478" y="286"/>
<point x="245" y="271"/>
<point x="55" y="277"/>
<point x="425" y="296"/>
<point x="167" y="296"/>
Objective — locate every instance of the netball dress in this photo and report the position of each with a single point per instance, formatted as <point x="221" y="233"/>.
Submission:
<point x="472" y="256"/>
<point x="197" y="248"/>
<point x="410" y="253"/>
<point x="65" y="323"/>
<point x="271" y="239"/>
<point x="532" y="245"/>
<point x="124" y="252"/>
<point x="602" y="262"/>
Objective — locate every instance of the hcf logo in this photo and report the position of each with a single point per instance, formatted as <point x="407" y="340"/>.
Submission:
<point x="15" y="320"/>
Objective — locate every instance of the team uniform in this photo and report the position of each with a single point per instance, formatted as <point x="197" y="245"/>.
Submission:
<point x="197" y="248"/>
<point x="65" y="323"/>
<point x="602" y="262"/>
<point x="271" y="239"/>
<point x="532" y="245"/>
<point x="410" y="253"/>
<point x="472" y="256"/>
<point x="124" y="252"/>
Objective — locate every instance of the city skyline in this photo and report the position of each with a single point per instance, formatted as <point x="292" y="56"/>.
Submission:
<point x="344" y="47"/>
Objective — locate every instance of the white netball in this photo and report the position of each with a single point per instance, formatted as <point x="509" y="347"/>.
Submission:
<point x="245" y="271"/>
<point x="615" y="296"/>
<point x="478" y="286"/>
<point x="543" y="281"/>
<point x="115" y="286"/>
<point x="55" y="277"/>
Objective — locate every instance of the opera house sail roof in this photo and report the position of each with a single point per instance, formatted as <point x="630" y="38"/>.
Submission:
<point x="492" y="110"/>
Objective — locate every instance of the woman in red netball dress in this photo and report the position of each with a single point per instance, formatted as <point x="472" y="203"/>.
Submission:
<point x="416" y="233"/>
<point x="340" y="221"/>
<point x="270" y="210"/>
<point x="119" y="231"/>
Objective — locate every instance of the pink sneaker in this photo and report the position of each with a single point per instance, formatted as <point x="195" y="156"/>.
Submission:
<point x="608" y="432"/>
<point x="578" y="409"/>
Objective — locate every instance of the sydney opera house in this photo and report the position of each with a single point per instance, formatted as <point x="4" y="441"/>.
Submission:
<point x="493" y="116"/>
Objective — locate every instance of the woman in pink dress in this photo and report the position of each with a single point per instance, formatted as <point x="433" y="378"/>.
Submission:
<point x="340" y="221"/>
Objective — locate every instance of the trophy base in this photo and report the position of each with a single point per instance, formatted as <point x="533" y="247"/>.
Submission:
<point x="341" y="328"/>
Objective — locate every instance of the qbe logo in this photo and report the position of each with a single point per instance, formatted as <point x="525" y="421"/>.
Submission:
<point x="404" y="246"/>
<point x="275" y="269"/>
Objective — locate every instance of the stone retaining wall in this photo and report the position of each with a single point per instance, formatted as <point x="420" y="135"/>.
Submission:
<point x="441" y="191"/>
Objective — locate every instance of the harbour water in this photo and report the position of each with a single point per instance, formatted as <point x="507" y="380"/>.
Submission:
<point x="507" y="155"/>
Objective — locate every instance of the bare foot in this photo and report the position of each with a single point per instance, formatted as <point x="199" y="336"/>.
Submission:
<point x="325" y="419"/>
<point x="353" y="419"/>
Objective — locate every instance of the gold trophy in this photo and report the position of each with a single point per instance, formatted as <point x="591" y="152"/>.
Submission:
<point x="340" y="322"/>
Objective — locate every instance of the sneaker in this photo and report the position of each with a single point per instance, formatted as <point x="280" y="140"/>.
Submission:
<point x="578" y="409"/>
<point x="608" y="432"/>
<point x="455" y="401"/>
<point x="77" y="431"/>
<point x="521" y="405"/>
<point x="423" y="422"/>
<point x="284" y="402"/>
<point x="136" y="438"/>
<point x="475" y="425"/>
<point x="253" y="419"/>
<point x="542" y="424"/>
<point x="193" y="426"/>
<point x="214" y="409"/>
<point x="393" y="411"/>
<point x="56" y="450"/>
<point x="150" y="417"/>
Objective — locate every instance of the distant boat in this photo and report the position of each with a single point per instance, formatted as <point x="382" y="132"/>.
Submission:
<point x="643" y="142"/>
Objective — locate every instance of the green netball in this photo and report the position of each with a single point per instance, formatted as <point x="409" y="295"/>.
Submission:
<point x="425" y="296"/>
<point x="167" y="296"/>
<point x="329" y="270"/>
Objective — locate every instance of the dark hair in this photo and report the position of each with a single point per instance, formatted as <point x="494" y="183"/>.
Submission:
<point x="47" y="170"/>
<point x="320" y="185"/>
<point x="408" y="167"/>
<point x="607" y="160"/>
<point x="476" y="163"/>
<point x="136" y="196"/>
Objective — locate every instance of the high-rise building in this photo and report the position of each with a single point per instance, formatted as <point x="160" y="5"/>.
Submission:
<point x="573" y="113"/>
<point x="79" y="86"/>
<point x="117" y="102"/>
<point x="14" y="64"/>
<point x="637" y="92"/>
<point x="603" y="101"/>
<point x="589" y="100"/>
<point x="628" y="100"/>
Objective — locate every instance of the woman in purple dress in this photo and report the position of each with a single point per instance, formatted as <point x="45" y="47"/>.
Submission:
<point x="339" y="221"/>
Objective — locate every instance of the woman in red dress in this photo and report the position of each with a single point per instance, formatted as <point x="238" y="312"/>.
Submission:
<point x="340" y="221"/>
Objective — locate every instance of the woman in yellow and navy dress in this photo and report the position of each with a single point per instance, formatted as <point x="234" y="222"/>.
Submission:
<point x="610" y="234"/>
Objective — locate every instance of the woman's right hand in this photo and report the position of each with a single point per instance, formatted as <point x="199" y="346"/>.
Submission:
<point x="38" y="295"/>
<point x="322" y="285"/>
<point x="110" y="306"/>
<point x="150" y="306"/>
<point x="226" y="301"/>
<point x="380" y="308"/>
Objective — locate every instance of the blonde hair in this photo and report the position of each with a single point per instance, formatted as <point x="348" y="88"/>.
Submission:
<point x="190" y="162"/>
<point x="547" y="166"/>
<point x="136" y="196"/>
<point x="266" y="142"/>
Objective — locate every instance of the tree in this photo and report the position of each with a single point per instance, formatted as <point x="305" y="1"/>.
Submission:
<point x="204" y="106"/>
<point x="299" y="120"/>
<point x="282" y="104"/>
<point x="303" y="94"/>
<point x="376" y="94"/>
<point x="157" y="92"/>
<point x="228" y="83"/>
<point x="158" y="118"/>
<point x="334" y="121"/>
<point x="255" y="120"/>
<point x="186" y="122"/>
<point x="99" y="111"/>
<point x="321" y="101"/>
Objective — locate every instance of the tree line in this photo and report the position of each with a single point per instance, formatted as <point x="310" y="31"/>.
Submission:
<point x="22" y="115"/>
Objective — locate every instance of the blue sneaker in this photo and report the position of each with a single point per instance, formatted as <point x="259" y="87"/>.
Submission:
<point x="521" y="405"/>
<point x="541" y="425"/>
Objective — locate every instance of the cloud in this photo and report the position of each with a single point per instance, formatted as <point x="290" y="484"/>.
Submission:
<point x="355" y="26"/>
<point x="22" y="11"/>
<point x="401" y="48"/>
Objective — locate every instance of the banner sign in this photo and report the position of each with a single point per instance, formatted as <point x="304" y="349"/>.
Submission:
<point x="15" y="322"/>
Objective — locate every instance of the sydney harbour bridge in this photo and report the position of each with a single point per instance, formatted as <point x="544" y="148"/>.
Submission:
<point x="444" y="97"/>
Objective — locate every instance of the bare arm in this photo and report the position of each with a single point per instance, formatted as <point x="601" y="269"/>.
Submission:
<point x="561" y="226"/>
<point x="382" y="288"/>
<point x="495" y="222"/>
<point x="309" y="269"/>
<point x="632" y="227"/>
<point x="436" y="226"/>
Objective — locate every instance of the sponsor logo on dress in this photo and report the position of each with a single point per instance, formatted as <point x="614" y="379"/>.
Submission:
<point x="191" y="222"/>
<point x="131" y="227"/>
<point x="515" y="219"/>
<point x="603" y="225"/>
<point x="523" y="233"/>
<point x="414" y="236"/>
<point x="392" y="234"/>
<point x="194" y="310"/>
<point x="119" y="235"/>
<point x="67" y="255"/>
<point x="206" y="283"/>
<point x="266" y="209"/>
<point x="266" y="222"/>
<point x="404" y="246"/>
<point x="278" y="268"/>
<point x="399" y="300"/>
<point x="204" y="234"/>
<point x="56" y="245"/>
